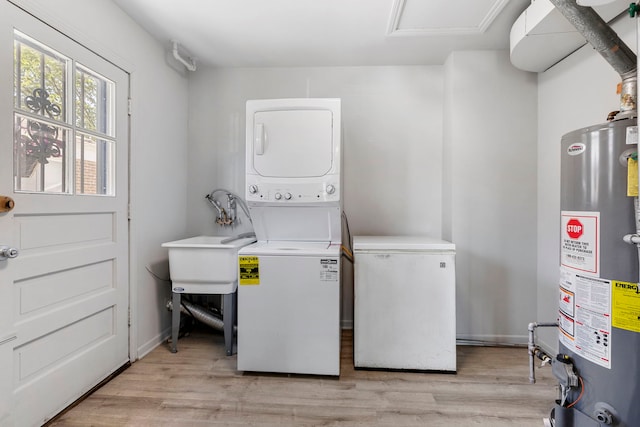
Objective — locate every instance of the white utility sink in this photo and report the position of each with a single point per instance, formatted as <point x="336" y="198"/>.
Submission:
<point x="205" y="264"/>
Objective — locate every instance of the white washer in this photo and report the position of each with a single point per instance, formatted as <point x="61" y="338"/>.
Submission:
<point x="288" y="308"/>
<point x="405" y="308"/>
<point x="289" y="282"/>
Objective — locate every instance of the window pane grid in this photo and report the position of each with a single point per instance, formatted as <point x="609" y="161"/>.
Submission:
<point x="40" y="80"/>
<point x="40" y="156"/>
<point x="48" y="89"/>
<point x="94" y="156"/>
<point x="94" y="109"/>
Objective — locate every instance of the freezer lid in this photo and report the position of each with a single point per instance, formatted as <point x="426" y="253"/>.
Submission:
<point x="401" y="243"/>
<point x="292" y="248"/>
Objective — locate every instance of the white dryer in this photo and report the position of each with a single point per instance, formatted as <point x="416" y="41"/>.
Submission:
<point x="293" y="153"/>
<point x="289" y="281"/>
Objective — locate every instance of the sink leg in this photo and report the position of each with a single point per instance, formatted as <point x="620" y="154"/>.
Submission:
<point x="228" y="316"/>
<point x="175" y="322"/>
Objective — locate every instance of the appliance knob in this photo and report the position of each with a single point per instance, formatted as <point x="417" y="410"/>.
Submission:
<point x="253" y="189"/>
<point x="287" y="196"/>
<point x="278" y="196"/>
<point x="331" y="189"/>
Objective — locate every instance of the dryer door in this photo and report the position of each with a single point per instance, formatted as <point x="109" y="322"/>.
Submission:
<point x="293" y="143"/>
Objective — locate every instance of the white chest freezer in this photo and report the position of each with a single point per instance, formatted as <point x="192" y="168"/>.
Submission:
<point x="404" y="308"/>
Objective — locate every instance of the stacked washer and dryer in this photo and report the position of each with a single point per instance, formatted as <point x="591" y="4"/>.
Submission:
<point x="290" y="279"/>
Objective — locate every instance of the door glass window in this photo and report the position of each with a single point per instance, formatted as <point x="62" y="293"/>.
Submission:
<point x="92" y="154"/>
<point x="95" y="130"/>
<point x="56" y="102"/>
<point x="94" y="96"/>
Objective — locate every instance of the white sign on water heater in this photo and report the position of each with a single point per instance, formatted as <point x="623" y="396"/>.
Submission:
<point x="580" y="234"/>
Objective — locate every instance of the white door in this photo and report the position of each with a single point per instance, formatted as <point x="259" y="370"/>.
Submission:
<point x="63" y="160"/>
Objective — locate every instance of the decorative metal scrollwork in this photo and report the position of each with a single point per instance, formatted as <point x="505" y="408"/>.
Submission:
<point x="39" y="103"/>
<point x="41" y="139"/>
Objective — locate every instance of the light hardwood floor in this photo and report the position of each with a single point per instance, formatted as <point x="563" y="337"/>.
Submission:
<point x="199" y="386"/>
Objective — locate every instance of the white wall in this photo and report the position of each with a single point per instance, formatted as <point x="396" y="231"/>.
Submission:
<point x="158" y="146"/>
<point x="490" y="193"/>
<point x="579" y="91"/>
<point x="394" y="146"/>
<point x="393" y="164"/>
<point x="392" y="123"/>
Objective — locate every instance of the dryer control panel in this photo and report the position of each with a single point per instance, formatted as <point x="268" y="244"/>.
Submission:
<point x="293" y="193"/>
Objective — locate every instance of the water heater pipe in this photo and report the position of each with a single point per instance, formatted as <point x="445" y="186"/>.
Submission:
<point x="636" y="209"/>
<point x="634" y="239"/>
<point x="607" y="43"/>
<point x="534" y="350"/>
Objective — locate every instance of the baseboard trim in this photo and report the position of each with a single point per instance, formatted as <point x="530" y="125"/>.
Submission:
<point x="154" y="342"/>
<point x="517" y="340"/>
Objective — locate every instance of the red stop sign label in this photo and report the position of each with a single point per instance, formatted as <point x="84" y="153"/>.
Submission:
<point x="574" y="228"/>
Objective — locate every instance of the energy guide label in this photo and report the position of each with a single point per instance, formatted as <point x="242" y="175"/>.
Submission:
<point x="625" y="306"/>
<point x="249" y="270"/>
<point x="329" y="270"/>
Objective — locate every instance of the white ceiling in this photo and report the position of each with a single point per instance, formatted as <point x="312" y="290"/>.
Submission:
<point x="289" y="33"/>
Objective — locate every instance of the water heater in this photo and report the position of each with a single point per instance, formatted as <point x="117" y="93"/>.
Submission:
<point x="599" y="301"/>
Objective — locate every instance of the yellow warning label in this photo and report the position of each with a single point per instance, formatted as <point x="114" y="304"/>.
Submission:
<point x="625" y="306"/>
<point x="632" y="177"/>
<point x="249" y="270"/>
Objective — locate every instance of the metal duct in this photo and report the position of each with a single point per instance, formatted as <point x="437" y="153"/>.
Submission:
<point x="608" y="44"/>
<point x="201" y="314"/>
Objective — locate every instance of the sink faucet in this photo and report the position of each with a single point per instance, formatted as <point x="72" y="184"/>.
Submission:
<point x="231" y="207"/>
<point x="222" y="218"/>
<point x="228" y="216"/>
